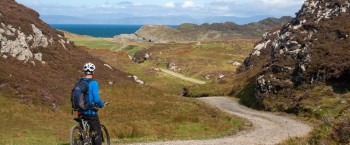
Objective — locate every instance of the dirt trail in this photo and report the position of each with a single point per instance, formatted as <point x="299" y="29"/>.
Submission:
<point x="268" y="128"/>
<point x="182" y="76"/>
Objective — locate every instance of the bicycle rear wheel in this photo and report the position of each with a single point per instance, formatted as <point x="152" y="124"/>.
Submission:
<point x="76" y="137"/>
<point x="105" y="135"/>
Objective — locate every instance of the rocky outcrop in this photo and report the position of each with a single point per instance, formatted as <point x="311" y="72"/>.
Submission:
<point x="204" y="32"/>
<point x="312" y="47"/>
<point x="138" y="80"/>
<point x="24" y="40"/>
<point x="21" y="47"/>
<point x="129" y="38"/>
<point x="39" y="38"/>
<point x="150" y="33"/>
<point x="141" y="56"/>
<point x="15" y="43"/>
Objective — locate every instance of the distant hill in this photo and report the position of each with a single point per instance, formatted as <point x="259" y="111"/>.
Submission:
<point x="122" y="18"/>
<point x="204" y="32"/>
<point x="38" y="64"/>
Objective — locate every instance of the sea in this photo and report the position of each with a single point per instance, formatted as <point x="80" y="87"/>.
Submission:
<point x="105" y="31"/>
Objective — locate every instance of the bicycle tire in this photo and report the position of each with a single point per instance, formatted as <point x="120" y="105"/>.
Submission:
<point x="105" y="135"/>
<point x="76" y="140"/>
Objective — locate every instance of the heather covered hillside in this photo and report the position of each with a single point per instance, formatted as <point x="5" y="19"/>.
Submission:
<point x="37" y="61"/>
<point x="312" y="48"/>
<point x="303" y="68"/>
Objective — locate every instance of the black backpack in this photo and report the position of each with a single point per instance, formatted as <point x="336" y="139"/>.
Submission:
<point x="80" y="95"/>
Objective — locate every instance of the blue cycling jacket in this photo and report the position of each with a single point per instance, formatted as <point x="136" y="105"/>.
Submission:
<point x="93" y="97"/>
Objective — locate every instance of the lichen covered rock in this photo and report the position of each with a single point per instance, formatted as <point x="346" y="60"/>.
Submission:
<point x="16" y="44"/>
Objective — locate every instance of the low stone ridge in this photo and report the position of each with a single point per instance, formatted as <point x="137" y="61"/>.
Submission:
<point x="204" y="32"/>
<point x="129" y="37"/>
<point x="313" y="47"/>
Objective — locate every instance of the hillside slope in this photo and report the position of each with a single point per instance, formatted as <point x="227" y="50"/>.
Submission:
<point x="37" y="61"/>
<point x="312" y="47"/>
<point x="305" y="67"/>
<point x="204" y="32"/>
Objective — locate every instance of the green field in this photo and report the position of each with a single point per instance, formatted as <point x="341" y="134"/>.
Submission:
<point x="96" y="43"/>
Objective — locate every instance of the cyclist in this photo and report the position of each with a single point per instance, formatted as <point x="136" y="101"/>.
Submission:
<point x="91" y="114"/>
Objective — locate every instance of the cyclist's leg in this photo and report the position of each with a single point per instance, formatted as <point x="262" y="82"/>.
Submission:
<point x="96" y="130"/>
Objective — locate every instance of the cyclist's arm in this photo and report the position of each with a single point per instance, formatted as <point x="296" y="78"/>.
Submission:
<point x="96" y="95"/>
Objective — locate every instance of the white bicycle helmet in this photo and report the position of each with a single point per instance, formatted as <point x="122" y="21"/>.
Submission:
<point x="89" y="68"/>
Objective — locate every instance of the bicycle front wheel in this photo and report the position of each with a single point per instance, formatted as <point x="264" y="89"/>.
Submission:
<point x="105" y="135"/>
<point x="76" y="136"/>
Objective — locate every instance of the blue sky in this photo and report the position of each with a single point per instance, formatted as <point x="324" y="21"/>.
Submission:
<point x="141" y="8"/>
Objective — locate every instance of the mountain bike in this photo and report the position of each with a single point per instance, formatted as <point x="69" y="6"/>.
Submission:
<point x="83" y="136"/>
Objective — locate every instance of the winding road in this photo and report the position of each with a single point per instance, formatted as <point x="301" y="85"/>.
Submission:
<point x="268" y="128"/>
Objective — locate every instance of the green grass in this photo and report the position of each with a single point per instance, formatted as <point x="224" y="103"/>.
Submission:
<point x="317" y="136"/>
<point x="97" y="43"/>
<point x="324" y="110"/>
<point x="322" y="101"/>
<point x="247" y="95"/>
<point x="132" y="49"/>
<point x="135" y="113"/>
<point x="147" y="114"/>
<point x="29" y="124"/>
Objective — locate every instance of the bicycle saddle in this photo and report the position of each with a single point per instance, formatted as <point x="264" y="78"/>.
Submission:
<point x="78" y="119"/>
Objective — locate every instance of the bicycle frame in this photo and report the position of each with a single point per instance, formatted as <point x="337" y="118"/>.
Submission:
<point x="84" y="136"/>
<point x="87" y="135"/>
<point x="84" y="124"/>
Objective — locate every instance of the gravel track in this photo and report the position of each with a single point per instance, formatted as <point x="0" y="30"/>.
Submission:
<point x="182" y="77"/>
<point x="268" y="128"/>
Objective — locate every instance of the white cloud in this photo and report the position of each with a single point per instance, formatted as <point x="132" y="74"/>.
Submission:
<point x="170" y="5"/>
<point x="106" y="5"/>
<point x="223" y="8"/>
<point x="137" y="4"/>
<point x="34" y="3"/>
<point x="274" y="2"/>
<point x="193" y="8"/>
<point x="248" y="8"/>
<point x="124" y="3"/>
<point x="188" y="4"/>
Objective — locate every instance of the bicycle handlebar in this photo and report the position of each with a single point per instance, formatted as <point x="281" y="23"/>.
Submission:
<point x="96" y="107"/>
